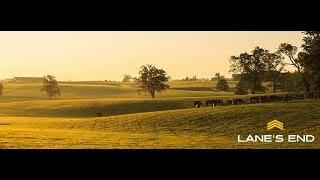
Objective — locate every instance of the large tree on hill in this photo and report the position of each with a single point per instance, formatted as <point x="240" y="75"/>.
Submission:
<point x="1" y="89"/>
<point x="152" y="80"/>
<point x="310" y="58"/>
<point x="50" y="86"/>
<point x="251" y="67"/>
<point x="274" y="67"/>
<point x="290" y="52"/>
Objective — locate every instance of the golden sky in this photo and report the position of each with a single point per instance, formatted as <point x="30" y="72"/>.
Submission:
<point x="108" y="55"/>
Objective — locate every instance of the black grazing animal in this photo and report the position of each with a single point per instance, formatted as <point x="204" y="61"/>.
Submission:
<point x="274" y="98"/>
<point x="288" y="97"/>
<point x="299" y="96"/>
<point x="210" y="102"/>
<point x="310" y="96"/>
<point x="254" y="99"/>
<point x="229" y="102"/>
<point x="217" y="102"/>
<point x="99" y="114"/>
<point x="264" y="99"/>
<point x="259" y="99"/>
<point x="214" y="102"/>
<point x="197" y="104"/>
<point x="285" y="98"/>
<point x="238" y="101"/>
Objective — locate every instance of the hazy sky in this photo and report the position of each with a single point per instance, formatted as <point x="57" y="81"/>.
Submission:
<point x="108" y="55"/>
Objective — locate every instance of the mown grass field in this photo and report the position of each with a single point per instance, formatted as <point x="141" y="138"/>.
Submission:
<point x="28" y="119"/>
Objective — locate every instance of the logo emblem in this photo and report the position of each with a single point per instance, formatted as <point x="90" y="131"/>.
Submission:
<point x="275" y="124"/>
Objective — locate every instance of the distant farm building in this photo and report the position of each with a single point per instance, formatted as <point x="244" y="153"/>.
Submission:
<point x="28" y="79"/>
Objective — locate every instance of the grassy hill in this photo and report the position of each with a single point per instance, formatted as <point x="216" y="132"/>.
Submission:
<point x="84" y="99"/>
<point x="108" y="106"/>
<point x="28" y="119"/>
<point x="14" y="92"/>
<point x="185" y="128"/>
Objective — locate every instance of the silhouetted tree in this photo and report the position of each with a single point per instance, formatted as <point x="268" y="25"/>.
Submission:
<point x="186" y="79"/>
<point x="251" y="67"/>
<point x="126" y="78"/>
<point x="152" y="80"/>
<point x="274" y="66"/>
<point x="241" y="88"/>
<point x="291" y="82"/>
<point x="236" y="77"/>
<point x="290" y="52"/>
<point x="217" y="75"/>
<point x="222" y="84"/>
<point x="50" y="85"/>
<point x="310" y="58"/>
<point x="194" y="78"/>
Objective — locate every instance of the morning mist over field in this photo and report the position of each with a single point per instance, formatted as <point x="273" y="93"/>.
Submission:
<point x="108" y="55"/>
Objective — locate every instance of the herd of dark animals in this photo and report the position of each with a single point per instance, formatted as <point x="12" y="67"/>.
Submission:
<point x="99" y="114"/>
<point x="253" y="100"/>
<point x="257" y="99"/>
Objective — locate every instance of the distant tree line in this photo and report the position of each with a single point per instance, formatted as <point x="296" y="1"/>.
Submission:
<point x="195" y="78"/>
<point x="261" y="65"/>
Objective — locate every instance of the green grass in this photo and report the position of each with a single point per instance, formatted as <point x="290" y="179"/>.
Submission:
<point x="28" y="119"/>
<point x="186" y="128"/>
<point x="95" y="90"/>
<point x="108" y="106"/>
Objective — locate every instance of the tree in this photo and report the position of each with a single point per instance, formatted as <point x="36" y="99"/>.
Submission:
<point x="126" y="78"/>
<point x="194" y="78"/>
<point x="50" y="85"/>
<point x="217" y="75"/>
<point x="290" y="52"/>
<point x="251" y="67"/>
<point x="241" y="88"/>
<point x="1" y="89"/>
<point x="186" y="79"/>
<point x="222" y="84"/>
<point x="236" y="77"/>
<point x="274" y="67"/>
<point x="152" y="80"/>
<point x="310" y="58"/>
<point x="291" y="82"/>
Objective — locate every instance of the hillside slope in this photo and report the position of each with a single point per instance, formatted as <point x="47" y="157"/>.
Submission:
<point x="14" y="92"/>
<point x="108" y="107"/>
<point x="186" y="128"/>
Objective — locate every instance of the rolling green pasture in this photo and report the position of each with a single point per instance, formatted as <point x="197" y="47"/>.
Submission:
<point x="185" y="128"/>
<point x="28" y="119"/>
<point x="14" y="92"/>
